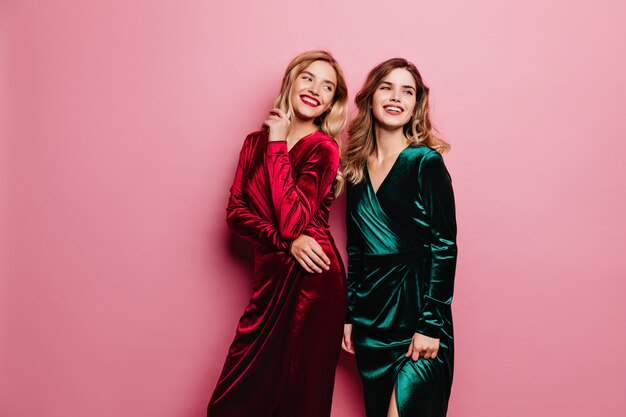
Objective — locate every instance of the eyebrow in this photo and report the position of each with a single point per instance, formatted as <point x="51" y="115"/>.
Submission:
<point x="313" y="75"/>
<point x="404" y="86"/>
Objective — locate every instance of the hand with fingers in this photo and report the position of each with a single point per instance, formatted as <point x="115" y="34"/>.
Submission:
<point x="423" y="346"/>
<point x="309" y="254"/>
<point x="277" y="125"/>
<point x="346" y="342"/>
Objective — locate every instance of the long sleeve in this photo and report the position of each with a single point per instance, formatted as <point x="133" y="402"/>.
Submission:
<point x="354" y="247"/>
<point x="438" y="198"/>
<point x="295" y="202"/>
<point x="241" y="220"/>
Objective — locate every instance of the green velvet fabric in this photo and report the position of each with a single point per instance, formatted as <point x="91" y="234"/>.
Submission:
<point x="401" y="265"/>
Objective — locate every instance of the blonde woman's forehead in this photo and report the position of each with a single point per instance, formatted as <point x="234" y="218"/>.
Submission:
<point x="322" y="70"/>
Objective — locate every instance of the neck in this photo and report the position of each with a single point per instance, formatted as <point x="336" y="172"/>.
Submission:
<point x="300" y="128"/>
<point x="389" y="142"/>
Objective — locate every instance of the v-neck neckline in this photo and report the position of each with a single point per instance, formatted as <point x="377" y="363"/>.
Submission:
<point x="308" y="135"/>
<point x="382" y="183"/>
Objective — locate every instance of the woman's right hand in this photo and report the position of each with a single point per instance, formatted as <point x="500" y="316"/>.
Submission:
<point x="346" y="342"/>
<point x="309" y="254"/>
<point x="277" y="125"/>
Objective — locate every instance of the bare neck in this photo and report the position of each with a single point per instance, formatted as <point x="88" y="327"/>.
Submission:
<point x="389" y="142"/>
<point x="299" y="129"/>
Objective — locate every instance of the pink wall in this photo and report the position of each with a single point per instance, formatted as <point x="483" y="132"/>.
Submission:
<point x="121" y="287"/>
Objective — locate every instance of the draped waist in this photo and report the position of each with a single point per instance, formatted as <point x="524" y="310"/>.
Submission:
<point x="397" y="258"/>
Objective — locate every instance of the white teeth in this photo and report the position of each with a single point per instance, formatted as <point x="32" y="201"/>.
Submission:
<point x="394" y="109"/>
<point x="308" y="100"/>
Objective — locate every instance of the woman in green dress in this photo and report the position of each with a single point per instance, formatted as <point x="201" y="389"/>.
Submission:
<point x="401" y="228"/>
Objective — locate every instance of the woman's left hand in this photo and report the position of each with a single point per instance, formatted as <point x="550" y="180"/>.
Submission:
<point x="277" y="124"/>
<point x="423" y="346"/>
<point x="309" y="254"/>
<point x="346" y="342"/>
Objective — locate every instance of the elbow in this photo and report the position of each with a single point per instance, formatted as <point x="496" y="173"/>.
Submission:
<point x="231" y="219"/>
<point x="230" y="224"/>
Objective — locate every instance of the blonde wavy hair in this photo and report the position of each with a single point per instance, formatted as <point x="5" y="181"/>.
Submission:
<point x="361" y="134"/>
<point x="335" y="118"/>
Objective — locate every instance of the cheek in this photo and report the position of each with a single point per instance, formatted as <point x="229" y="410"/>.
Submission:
<point x="293" y="97"/>
<point x="297" y="87"/>
<point x="328" y="98"/>
<point x="294" y="91"/>
<point x="376" y="99"/>
<point x="378" y="113"/>
<point x="410" y="107"/>
<point x="297" y="84"/>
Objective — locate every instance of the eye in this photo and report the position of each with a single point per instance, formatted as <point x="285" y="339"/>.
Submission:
<point x="328" y="88"/>
<point x="307" y="77"/>
<point x="385" y="87"/>
<point x="409" y="92"/>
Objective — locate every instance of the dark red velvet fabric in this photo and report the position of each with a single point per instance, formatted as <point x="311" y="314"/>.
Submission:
<point x="283" y="359"/>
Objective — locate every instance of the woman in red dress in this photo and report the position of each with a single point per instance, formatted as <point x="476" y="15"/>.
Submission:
<point x="282" y="361"/>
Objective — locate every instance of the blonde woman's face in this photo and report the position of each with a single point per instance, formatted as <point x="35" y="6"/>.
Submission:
<point x="393" y="102"/>
<point x="313" y="90"/>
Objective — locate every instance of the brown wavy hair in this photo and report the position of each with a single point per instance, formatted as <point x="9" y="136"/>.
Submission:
<point x="419" y="129"/>
<point x="335" y="118"/>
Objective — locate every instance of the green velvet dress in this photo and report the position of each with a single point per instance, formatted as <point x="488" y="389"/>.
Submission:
<point x="402" y="258"/>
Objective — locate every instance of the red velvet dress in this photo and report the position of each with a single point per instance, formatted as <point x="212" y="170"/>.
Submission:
<point x="283" y="359"/>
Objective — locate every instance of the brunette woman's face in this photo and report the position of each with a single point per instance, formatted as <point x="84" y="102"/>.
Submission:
<point x="393" y="102"/>
<point x="313" y="90"/>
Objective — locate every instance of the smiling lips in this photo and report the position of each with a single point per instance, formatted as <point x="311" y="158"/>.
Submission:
<point x="309" y="101"/>
<point x="393" y="110"/>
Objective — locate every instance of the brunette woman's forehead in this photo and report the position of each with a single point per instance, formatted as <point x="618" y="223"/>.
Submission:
<point x="389" y="83"/>
<point x="399" y="76"/>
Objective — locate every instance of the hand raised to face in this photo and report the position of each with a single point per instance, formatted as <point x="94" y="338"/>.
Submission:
<point x="277" y="125"/>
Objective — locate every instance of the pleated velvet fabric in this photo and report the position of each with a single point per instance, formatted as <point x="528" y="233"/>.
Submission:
<point x="402" y="258"/>
<point x="283" y="358"/>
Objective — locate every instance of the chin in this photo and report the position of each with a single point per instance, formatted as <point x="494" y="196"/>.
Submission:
<point x="390" y="126"/>
<point x="306" y="115"/>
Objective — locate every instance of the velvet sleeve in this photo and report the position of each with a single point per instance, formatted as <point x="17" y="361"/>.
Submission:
<point x="354" y="247"/>
<point x="296" y="201"/>
<point x="244" y="222"/>
<point x="438" y="199"/>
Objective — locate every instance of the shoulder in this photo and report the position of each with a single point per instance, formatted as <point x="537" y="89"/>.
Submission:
<point x="430" y="165"/>
<point x="325" y="146"/>
<point x="355" y="188"/>
<point x="256" y="136"/>
<point x="323" y="141"/>
<point x="420" y="153"/>
<point x="254" y="140"/>
<point x="422" y="156"/>
<point x="354" y="193"/>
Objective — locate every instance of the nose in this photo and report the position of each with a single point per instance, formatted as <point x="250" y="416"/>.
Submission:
<point x="395" y="95"/>
<point x="314" y="89"/>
